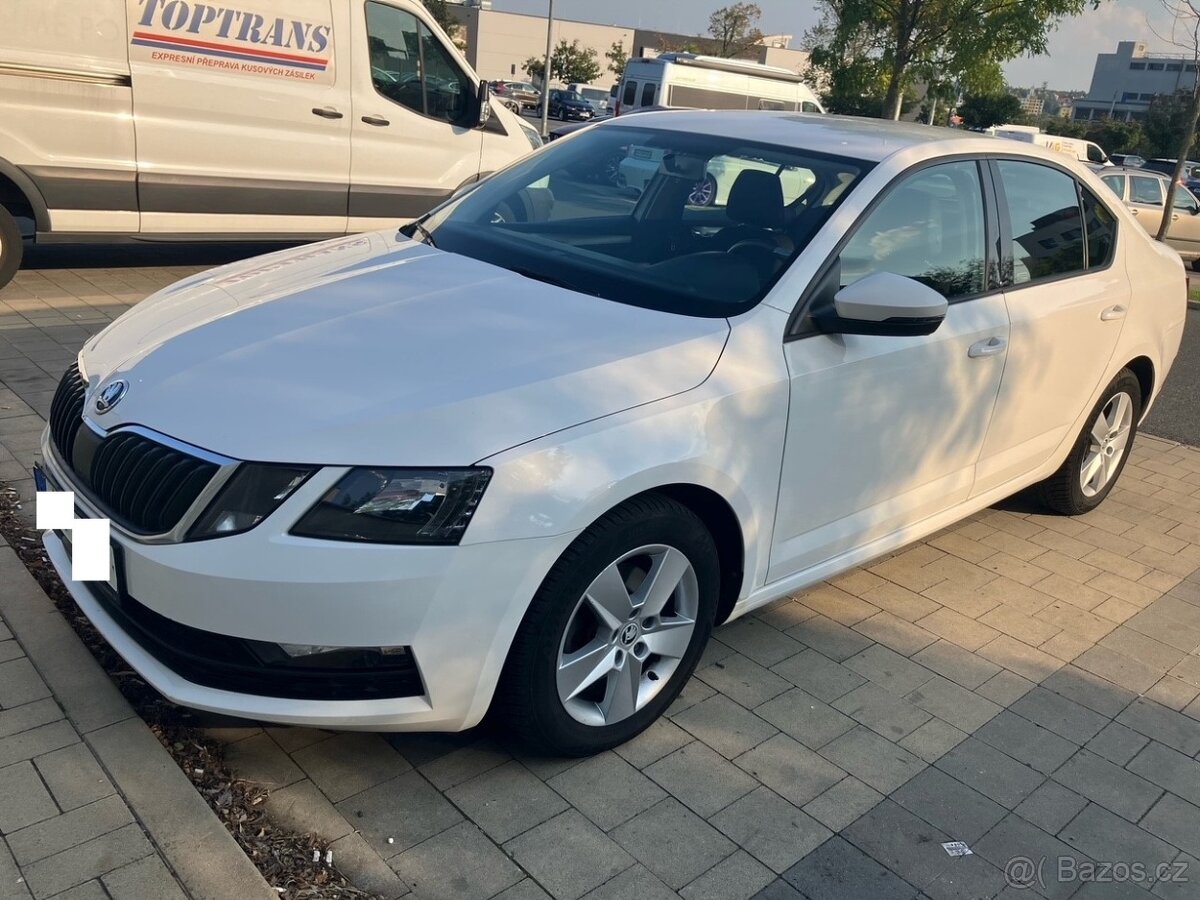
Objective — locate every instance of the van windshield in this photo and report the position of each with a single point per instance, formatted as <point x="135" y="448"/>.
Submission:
<point x="682" y="222"/>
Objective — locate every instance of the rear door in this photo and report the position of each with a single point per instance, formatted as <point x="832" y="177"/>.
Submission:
<point x="242" y="117"/>
<point x="1067" y="304"/>
<point x="411" y="144"/>
<point x="1147" y="193"/>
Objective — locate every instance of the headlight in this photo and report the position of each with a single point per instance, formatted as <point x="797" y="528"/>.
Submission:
<point x="253" y="493"/>
<point x="535" y="139"/>
<point x="397" y="506"/>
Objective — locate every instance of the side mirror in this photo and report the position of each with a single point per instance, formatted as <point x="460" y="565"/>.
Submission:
<point x="483" y="104"/>
<point x="884" y="304"/>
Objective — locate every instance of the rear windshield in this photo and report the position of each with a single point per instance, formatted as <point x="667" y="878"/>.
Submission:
<point x="664" y="219"/>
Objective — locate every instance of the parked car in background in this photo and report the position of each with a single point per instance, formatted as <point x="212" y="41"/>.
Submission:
<point x="594" y="94"/>
<point x="1167" y="166"/>
<point x="525" y="454"/>
<point x="177" y="126"/>
<point x="568" y="105"/>
<point x="1129" y="160"/>
<point x="1144" y="191"/>
<point x="526" y="94"/>
<point x="688" y="81"/>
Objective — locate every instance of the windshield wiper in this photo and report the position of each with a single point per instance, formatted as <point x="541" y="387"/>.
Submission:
<point x="548" y="279"/>
<point x="408" y="230"/>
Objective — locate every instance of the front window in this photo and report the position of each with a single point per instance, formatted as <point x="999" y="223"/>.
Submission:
<point x="1146" y="190"/>
<point x="410" y="67"/>
<point x="929" y="228"/>
<point x="664" y="219"/>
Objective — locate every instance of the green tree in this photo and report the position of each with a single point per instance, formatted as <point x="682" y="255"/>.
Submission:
<point x="1166" y="121"/>
<point x="568" y="63"/>
<point x="1115" y="136"/>
<point x="965" y="40"/>
<point x="986" y="110"/>
<point x="440" y="10"/>
<point x="735" y="29"/>
<point x="617" y="58"/>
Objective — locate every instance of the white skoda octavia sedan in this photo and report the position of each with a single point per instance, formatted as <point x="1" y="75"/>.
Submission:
<point x="525" y="455"/>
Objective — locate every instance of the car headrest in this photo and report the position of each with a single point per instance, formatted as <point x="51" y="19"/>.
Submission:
<point x="756" y="198"/>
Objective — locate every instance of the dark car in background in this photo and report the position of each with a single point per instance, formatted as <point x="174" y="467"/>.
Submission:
<point x="568" y="105"/>
<point x="1129" y="160"/>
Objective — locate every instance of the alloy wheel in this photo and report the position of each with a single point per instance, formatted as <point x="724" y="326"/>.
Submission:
<point x="1107" y="442"/>
<point x="627" y="635"/>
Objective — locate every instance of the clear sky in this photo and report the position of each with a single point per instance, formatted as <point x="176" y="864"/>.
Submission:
<point x="1068" y="65"/>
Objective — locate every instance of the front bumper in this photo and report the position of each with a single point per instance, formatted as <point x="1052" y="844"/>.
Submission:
<point x="456" y="608"/>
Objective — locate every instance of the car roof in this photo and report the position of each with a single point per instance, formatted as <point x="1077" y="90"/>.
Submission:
<point x="870" y="140"/>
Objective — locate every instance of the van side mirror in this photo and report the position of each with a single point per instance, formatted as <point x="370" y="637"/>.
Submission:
<point x="483" y="104"/>
<point x="884" y="304"/>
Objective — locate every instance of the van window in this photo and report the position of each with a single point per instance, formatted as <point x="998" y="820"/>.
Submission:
<point x="410" y="67"/>
<point x="630" y="96"/>
<point x="1095" y="154"/>
<point x="648" y="92"/>
<point x="809" y="106"/>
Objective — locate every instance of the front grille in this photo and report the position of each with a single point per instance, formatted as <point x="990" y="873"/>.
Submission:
<point x="143" y="485"/>
<point x="66" y="411"/>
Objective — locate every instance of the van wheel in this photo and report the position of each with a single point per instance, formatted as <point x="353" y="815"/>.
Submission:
<point x="12" y="247"/>
<point x="614" y="631"/>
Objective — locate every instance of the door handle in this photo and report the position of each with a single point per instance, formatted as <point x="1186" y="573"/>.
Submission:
<point x="326" y="112"/>
<point x="993" y="346"/>
<point x="1174" y="217"/>
<point x="1113" y="312"/>
<point x="376" y="120"/>
<point x="1132" y="211"/>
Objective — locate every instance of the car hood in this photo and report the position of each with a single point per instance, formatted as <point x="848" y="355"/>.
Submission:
<point x="374" y="350"/>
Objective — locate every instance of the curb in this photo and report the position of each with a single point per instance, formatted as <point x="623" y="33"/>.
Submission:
<point x="1193" y="304"/>
<point x="181" y="825"/>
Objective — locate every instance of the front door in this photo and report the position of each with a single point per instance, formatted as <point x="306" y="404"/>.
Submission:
<point x="885" y="431"/>
<point x="241" y="116"/>
<point x="411" y="146"/>
<point x="1067" y="303"/>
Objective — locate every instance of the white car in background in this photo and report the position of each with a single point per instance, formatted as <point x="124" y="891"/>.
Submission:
<point x="527" y="454"/>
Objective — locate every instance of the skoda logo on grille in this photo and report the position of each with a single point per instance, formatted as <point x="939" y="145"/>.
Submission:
<point x="111" y="395"/>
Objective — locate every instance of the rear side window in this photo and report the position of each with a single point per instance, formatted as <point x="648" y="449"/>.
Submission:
<point x="1147" y="190"/>
<point x="648" y="93"/>
<point x="929" y="228"/>
<point x="1101" y="228"/>
<point x="630" y="96"/>
<point x="1047" y="225"/>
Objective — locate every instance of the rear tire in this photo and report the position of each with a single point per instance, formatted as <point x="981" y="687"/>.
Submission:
<point x="584" y="675"/>
<point x="1100" y="452"/>
<point x="12" y="247"/>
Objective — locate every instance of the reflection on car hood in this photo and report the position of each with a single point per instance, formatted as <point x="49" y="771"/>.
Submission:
<point x="373" y="349"/>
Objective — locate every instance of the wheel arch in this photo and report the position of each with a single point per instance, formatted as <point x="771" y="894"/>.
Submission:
<point x="722" y="523"/>
<point x="1143" y="368"/>
<point x="20" y="196"/>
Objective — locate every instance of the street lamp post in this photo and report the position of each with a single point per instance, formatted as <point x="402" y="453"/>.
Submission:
<point x="546" y="72"/>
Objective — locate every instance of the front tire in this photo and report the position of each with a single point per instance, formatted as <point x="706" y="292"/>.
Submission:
<point x="12" y="247"/>
<point x="614" y="631"/>
<point x="1095" y="462"/>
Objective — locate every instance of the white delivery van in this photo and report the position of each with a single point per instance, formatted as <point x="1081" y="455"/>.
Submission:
<point x="185" y="120"/>
<point x="1077" y="148"/>
<point x="709" y="82"/>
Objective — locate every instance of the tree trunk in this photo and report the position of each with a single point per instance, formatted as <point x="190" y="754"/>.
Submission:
<point x="894" y="98"/>
<point x="1185" y="146"/>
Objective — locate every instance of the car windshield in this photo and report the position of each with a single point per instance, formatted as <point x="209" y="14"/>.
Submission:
<point x="670" y="220"/>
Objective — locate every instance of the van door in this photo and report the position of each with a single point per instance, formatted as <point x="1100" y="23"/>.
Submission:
<point x="412" y="145"/>
<point x="242" y="117"/>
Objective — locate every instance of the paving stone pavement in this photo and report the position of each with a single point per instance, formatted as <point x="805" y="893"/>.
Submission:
<point x="1026" y="683"/>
